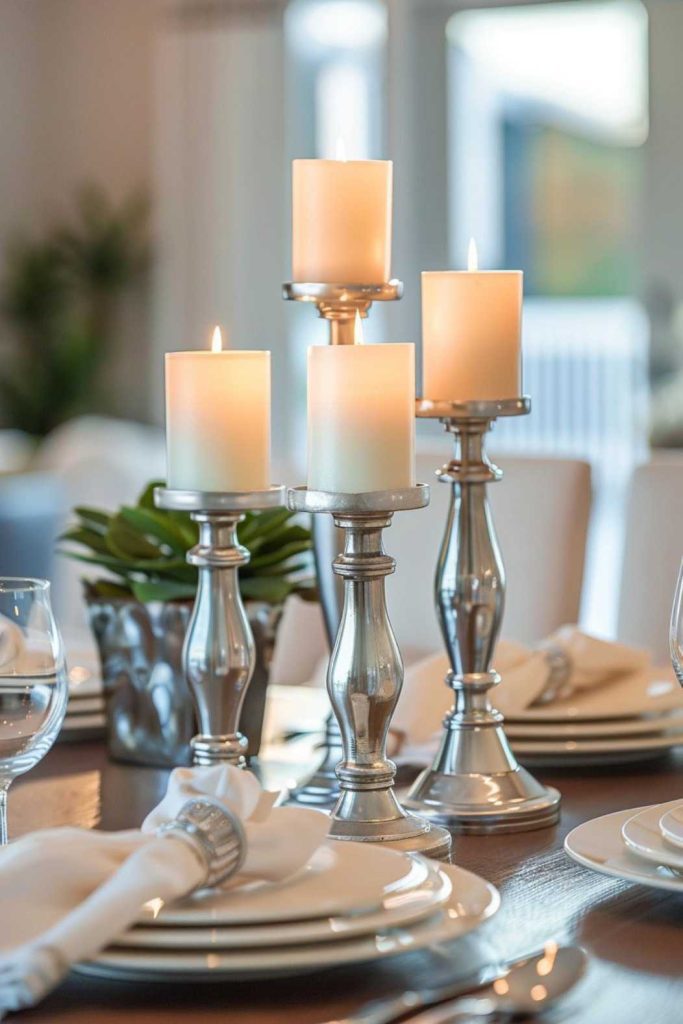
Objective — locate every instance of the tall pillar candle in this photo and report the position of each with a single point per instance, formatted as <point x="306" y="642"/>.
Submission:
<point x="341" y="221"/>
<point x="218" y="420"/>
<point x="361" y="417"/>
<point x="471" y="334"/>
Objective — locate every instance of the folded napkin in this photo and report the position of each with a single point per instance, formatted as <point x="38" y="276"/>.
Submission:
<point x="567" y="662"/>
<point x="65" y="893"/>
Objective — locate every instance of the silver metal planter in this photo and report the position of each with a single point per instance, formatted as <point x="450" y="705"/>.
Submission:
<point x="150" y="713"/>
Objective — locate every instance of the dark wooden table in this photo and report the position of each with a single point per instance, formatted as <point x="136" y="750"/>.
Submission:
<point x="634" y="935"/>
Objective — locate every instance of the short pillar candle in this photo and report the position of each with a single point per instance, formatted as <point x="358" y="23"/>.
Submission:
<point x="471" y="335"/>
<point x="218" y="420"/>
<point x="361" y="417"/>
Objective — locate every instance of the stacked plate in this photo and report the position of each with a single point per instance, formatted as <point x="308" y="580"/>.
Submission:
<point x="643" y="844"/>
<point x="351" y="903"/>
<point x="631" y="719"/>
<point x="84" y="717"/>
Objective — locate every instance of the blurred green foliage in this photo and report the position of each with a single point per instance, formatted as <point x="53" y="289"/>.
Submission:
<point x="59" y="299"/>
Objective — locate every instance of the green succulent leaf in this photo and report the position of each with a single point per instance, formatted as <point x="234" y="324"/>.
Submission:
<point x="262" y="525"/>
<point x="126" y="542"/>
<point x="279" y="555"/>
<point x="108" y="589"/>
<point x="272" y="591"/>
<point x="162" y="590"/>
<point x="88" y="538"/>
<point x="153" y="523"/>
<point x="143" y="548"/>
<point x="93" y="518"/>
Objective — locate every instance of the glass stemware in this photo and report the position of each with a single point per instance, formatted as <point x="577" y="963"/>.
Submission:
<point x="34" y="688"/>
<point x="676" y="629"/>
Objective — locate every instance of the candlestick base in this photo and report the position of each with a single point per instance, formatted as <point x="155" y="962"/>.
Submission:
<point x="218" y="653"/>
<point x="475" y="784"/>
<point x="366" y="672"/>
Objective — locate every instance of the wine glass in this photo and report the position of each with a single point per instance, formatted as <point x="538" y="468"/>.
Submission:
<point x="676" y="629"/>
<point x="34" y="688"/>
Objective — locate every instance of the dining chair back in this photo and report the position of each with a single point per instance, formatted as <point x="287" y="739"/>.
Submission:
<point x="653" y="550"/>
<point x="32" y="509"/>
<point x="541" y="511"/>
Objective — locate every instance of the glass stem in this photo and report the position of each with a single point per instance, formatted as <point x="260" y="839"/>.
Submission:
<point x="4" y="838"/>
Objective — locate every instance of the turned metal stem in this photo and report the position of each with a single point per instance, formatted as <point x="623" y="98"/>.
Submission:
<point x="218" y="652"/>
<point x="365" y="673"/>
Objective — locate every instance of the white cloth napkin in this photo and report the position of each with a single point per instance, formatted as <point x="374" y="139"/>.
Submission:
<point x="65" y="893"/>
<point x="567" y="662"/>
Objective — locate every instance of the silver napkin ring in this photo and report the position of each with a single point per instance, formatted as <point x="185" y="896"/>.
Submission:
<point x="558" y="681"/>
<point x="215" y="832"/>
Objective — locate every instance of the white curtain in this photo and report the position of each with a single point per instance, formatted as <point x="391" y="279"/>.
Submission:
<point x="221" y="186"/>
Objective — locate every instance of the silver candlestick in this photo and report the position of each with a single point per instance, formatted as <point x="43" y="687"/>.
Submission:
<point x="475" y="783"/>
<point x="365" y="674"/>
<point x="338" y="304"/>
<point x="218" y="653"/>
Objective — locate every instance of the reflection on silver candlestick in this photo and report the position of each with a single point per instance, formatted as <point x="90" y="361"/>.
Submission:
<point x="366" y="673"/>
<point x="338" y="304"/>
<point x="218" y="653"/>
<point x="475" y="783"/>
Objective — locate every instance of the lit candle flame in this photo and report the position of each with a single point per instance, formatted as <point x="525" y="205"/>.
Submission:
<point x="216" y="340"/>
<point x="341" y="149"/>
<point x="358" y="338"/>
<point x="472" y="257"/>
<point x="547" y="961"/>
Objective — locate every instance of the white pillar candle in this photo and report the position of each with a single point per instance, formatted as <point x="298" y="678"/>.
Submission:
<point x="361" y="417"/>
<point x="218" y="420"/>
<point x="341" y="221"/>
<point x="471" y="334"/>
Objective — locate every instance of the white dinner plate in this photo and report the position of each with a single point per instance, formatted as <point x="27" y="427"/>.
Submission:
<point x="650" y="692"/>
<point x="399" y="909"/>
<point x="641" y="834"/>
<point x="76" y="722"/>
<point x="599" y="845"/>
<point x="617" y="745"/>
<point x="85" y="705"/>
<point x="340" y="878"/>
<point x="671" y="825"/>
<point x="472" y="901"/>
<point x="603" y="728"/>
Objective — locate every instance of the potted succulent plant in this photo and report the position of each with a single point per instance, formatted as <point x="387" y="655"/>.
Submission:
<point x="140" y="608"/>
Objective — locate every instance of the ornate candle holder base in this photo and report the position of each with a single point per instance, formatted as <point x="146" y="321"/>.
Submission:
<point x="475" y="784"/>
<point x="366" y="673"/>
<point x="338" y="304"/>
<point x="218" y="653"/>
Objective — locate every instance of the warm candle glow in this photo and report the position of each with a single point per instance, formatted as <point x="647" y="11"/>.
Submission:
<point x="472" y="256"/>
<point x="216" y="340"/>
<point x="341" y="150"/>
<point x="341" y="220"/>
<point x="358" y="338"/>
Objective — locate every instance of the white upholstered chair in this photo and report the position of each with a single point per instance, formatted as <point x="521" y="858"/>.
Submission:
<point x="652" y="553"/>
<point x="101" y="462"/>
<point x="541" y="511"/>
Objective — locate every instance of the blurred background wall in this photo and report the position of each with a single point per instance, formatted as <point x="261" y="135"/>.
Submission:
<point x="201" y="104"/>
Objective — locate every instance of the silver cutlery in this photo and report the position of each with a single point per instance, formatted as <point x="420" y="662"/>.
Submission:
<point x="524" y="986"/>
